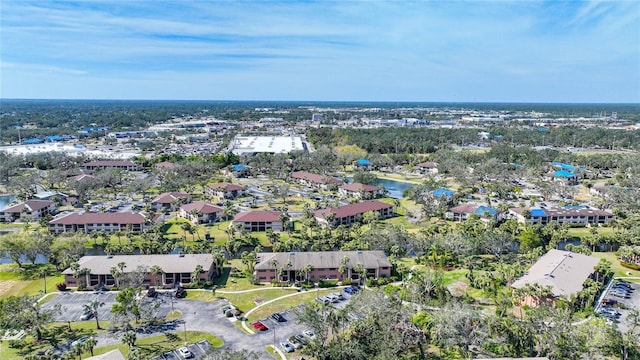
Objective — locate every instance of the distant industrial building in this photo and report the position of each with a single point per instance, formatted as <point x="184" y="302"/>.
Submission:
<point x="249" y="145"/>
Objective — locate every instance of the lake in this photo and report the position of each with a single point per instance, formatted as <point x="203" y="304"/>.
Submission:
<point x="395" y="188"/>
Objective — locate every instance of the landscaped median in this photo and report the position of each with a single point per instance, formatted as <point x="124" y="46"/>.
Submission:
<point x="157" y="345"/>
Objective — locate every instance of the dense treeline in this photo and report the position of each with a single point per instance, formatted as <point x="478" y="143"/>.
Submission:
<point x="393" y="140"/>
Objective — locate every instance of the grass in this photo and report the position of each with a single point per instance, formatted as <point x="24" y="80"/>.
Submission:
<point x="289" y="303"/>
<point x="249" y="300"/>
<point x="15" y="281"/>
<point x="173" y="315"/>
<point x="618" y="269"/>
<point x="156" y="345"/>
<point x="584" y="231"/>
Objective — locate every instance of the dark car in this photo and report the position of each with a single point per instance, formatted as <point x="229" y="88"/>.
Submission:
<point x="180" y="293"/>
<point x="609" y="301"/>
<point x="151" y="292"/>
<point x="278" y="317"/>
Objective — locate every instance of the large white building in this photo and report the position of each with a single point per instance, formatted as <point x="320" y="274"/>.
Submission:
<point x="250" y="145"/>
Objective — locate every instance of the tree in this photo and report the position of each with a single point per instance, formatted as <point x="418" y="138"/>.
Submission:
<point x="92" y="307"/>
<point x="306" y="270"/>
<point x="156" y="271"/>
<point x="361" y="271"/>
<point x="26" y="313"/>
<point x="129" y="338"/>
<point x="90" y="344"/>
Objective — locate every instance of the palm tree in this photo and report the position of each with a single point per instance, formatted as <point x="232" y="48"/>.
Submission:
<point x="306" y="270"/>
<point x="361" y="271"/>
<point x="219" y="259"/>
<point x="274" y="263"/>
<point x="90" y="344"/>
<point x="156" y="271"/>
<point x="129" y="338"/>
<point x="92" y="307"/>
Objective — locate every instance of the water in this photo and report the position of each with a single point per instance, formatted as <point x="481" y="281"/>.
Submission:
<point x="394" y="188"/>
<point x="6" y="200"/>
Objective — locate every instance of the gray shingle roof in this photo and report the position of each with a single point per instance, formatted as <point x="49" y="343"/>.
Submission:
<point x="323" y="259"/>
<point x="564" y="271"/>
<point x="173" y="263"/>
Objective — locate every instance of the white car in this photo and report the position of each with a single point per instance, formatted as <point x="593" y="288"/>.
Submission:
<point x="286" y="346"/>
<point x="185" y="352"/>
<point x="310" y="334"/>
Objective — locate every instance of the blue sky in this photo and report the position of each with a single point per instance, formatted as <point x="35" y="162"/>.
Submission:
<point x="480" y="51"/>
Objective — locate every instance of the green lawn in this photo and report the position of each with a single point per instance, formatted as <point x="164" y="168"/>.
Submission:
<point x="156" y="345"/>
<point x="618" y="269"/>
<point x="16" y="281"/>
<point x="583" y="231"/>
<point x="289" y="303"/>
<point x="249" y="300"/>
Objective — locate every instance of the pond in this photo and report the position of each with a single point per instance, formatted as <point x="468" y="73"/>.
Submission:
<point x="6" y="200"/>
<point x="395" y="188"/>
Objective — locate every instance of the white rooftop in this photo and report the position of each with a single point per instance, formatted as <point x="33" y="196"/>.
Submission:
<point x="266" y="144"/>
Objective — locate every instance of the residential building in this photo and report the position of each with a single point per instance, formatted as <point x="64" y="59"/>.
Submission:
<point x="360" y="191"/>
<point x="169" y="201"/>
<point x="30" y="210"/>
<point x="117" y="164"/>
<point x="176" y="269"/>
<point x="427" y="167"/>
<point x="352" y="213"/>
<point x="567" y="177"/>
<point x="464" y="211"/>
<point x="568" y="214"/>
<point x="90" y="222"/>
<point x="563" y="271"/>
<point x="362" y="164"/>
<point x="200" y="212"/>
<point x="315" y="180"/>
<point x="258" y="220"/>
<point x="324" y="265"/>
<point x="225" y="190"/>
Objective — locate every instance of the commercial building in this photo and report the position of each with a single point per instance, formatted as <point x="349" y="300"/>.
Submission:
<point x="250" y="145"/>
<point x="323" y="265"/>
<point x="175" y="269"/>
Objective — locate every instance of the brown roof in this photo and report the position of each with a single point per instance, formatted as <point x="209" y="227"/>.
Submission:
<point x="83" y="177"/>
<point x="323" y="259"/>
<point x="225" y="186"/>
<point x="464" y="209"/>
<point x="99" y="218"/>
<point x="168" y="197"/>
<point x="315" y="178"/>
<point x="359" y="187"/>
<point x="29" y="205"/>
<point x="165" y="165"/>
<point x="353" y="209"/>
<point x="428" y="165"/>
<point x="201" y="206"/>
<point x="109" y="163"/>
<point x="258" y="216"/>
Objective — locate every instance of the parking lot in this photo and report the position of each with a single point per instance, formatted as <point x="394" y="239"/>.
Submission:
<point x="198" y="350"/>
<point x="623" y="305"/>
<point x="73" y="302"/>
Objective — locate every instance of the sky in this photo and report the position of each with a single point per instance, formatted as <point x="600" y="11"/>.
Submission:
<point x="449" y="51"/>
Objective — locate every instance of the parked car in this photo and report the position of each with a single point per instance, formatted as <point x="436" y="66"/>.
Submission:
<point x="333" y="298"/>
<point x="259" y="325"/>
<point x="297" y="344"/>
<point x="278" y="317"/>
<point x="151" y="292"/>
<point x="338" y="295"/>
<point x="323" y="300"/>
<point x="185" y="352"/>
<point x="79" y="341"/>
<point x="349" y="290"/>
<point x="286" y="346"/>
<point x="310" y="334"/>
<point x="302" y="338"/>
<point x="609" y="301"/>
<point x="181" y="292"/>
<point x="226" y="308"/>
<point x="86" y="315"/>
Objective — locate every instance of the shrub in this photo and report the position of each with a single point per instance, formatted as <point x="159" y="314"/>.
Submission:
<point x="61" y="286"/>
<point x="82" y="287"/>
<point x="326" y="283"/>
<point x="629" y="265"/>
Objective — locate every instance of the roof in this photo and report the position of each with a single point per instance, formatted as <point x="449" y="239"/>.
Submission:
<point x="171" y="263"/>
<point x="29" y="205"/>
<point x="315" y="178"/>
<point x="359" y="187"/>
<point x="485" y="210"/>
<point x="108" y="163"/>
<point x="169" y="197"/>
<point x="563" y="173"/>
<point x="442" y="192"/>
<point x="225" y="186"/>
<point x="353" y="209"/>
<point x="239" y="167"/>
<point x="464" y="209"/>
<point x="99" y="218"/>
<point x="201" y="206"/>
<point x="564" y="271"/>
<point x="84" y="177"/>
<point x="323" y="259"/>
<point x="258" y="216"/>
<point x="165" y="165"/>
<point x="563" y="166"/>
<point x="428" y="165"/>
<point x="363" y="162"/>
